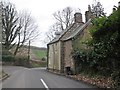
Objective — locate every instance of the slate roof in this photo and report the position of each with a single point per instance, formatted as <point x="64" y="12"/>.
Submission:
<point x="71" y="31"/>
<point x="57" y="38"/>
<point x="76" y="31"/>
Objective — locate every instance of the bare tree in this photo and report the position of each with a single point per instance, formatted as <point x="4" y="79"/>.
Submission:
<point x="97" y="9"/>
<point x="51" y="33"/>
<point x="0" y="25"/>
<point x="10" y="26"/>
<point x="17" y="28"/>
<point x="28" y="31"/>
<point x="63" y="20"/>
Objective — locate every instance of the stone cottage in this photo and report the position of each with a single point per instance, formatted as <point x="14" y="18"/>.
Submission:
<point x="60" y="48"/>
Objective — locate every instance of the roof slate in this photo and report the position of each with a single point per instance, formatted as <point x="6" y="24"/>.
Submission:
<point x="71" y="32"/>
<point x="57" y="38"/>
<point x="76" y="31"/>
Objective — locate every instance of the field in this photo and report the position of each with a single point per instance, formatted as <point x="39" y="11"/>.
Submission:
<point x="40" y="53"/>
<point x="39" y="56"/>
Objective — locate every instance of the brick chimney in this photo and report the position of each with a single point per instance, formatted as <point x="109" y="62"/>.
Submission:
<point x="78" y="17"/>
<point x="88" y="14"/>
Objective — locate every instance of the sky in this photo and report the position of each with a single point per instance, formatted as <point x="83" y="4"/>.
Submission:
<point x="42" y="11"/>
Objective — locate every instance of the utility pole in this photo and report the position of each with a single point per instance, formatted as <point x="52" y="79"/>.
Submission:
<point x="29" y="53"/>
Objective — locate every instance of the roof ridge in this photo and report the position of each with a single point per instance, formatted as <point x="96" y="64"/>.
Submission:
<point x="76" y="31"/>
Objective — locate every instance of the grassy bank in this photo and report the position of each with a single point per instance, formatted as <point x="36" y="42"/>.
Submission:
<point x="40" y="53"/>
<point x="38" y="64"/>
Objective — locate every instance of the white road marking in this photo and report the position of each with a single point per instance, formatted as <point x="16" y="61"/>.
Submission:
<point x="45" y="85"/>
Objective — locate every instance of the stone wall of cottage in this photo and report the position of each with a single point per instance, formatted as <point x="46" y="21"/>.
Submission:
<point x="50" y="57"/>
<point x="79" y="42"/>
<point x="68" y="61"/>
<point x="54" y="56"/>
<point x="57" y="57"/>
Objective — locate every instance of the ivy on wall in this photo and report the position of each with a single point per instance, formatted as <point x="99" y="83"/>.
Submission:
<point x="101" y="53"/>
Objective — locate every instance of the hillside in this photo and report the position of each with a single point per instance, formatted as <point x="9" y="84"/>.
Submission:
<point x="38" y="53"/>
<point x="38" y="56"/>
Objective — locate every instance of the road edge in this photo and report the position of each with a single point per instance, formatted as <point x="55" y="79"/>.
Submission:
<point x="67" y="76"/>
<point x="4" y="77"/>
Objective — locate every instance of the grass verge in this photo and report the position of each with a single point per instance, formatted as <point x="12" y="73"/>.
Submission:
<point x="40" y="53"/>
<point x="38" y="64"/>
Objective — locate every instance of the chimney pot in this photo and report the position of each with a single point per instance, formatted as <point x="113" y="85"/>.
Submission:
<point x="88" y="14"/>
<point x="89" y="8"/>
<point x="78" y="17"/>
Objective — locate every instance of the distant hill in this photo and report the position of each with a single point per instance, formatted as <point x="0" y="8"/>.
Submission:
<point x="38" y="56"/>
<point x="37" y="52"/>
<point x="38" y="48"/>
<point x="34" y="47"/>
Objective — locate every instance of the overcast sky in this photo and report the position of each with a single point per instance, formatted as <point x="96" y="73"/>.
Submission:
<point x="42" y="11"/>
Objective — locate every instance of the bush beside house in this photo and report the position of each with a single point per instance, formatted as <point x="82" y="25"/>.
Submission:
<point x="102" y="53"/>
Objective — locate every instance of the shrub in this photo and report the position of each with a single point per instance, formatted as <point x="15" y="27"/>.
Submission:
<point x="7" y="56"/>
<point x="116" y="77"/>
<point x="21" y="61"/>
<point x="43" y="59"/>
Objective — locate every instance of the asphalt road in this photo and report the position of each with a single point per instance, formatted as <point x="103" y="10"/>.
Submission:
<point x="38" y="78"/>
